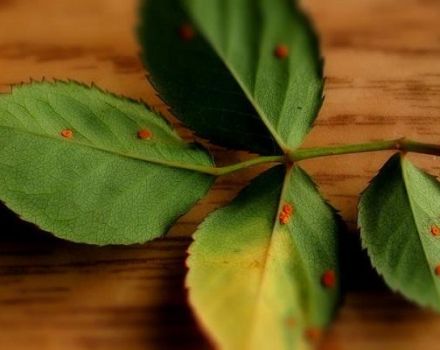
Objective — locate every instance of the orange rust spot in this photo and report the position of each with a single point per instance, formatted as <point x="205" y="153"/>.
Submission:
<point x="435" y="230"/>
<point x="313" y="334"/>
<point x="284" y="218"/>
<point x="186" y="32"/>
<point x="437" y="270"/>
<point x="67" y="133"/>
<point x="286" y="213"/>
<point x="328" y="279"/>
<point x="290" y="322"/>
<point x="144" y="134"/>
<point x="281" y="51"/>
<point x="255" y="264"/>
<point x="287" y="208"/>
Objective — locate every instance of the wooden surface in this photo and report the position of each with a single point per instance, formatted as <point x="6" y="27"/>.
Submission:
<point x="383" y="81"/>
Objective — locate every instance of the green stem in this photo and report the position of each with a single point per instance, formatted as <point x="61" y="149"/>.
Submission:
<point x="418" y="147"/>
<point x="402" y="145"/>
<point x="239" y="166"/>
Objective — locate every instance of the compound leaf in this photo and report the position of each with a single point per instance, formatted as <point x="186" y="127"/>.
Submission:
<point x="249" y="76"/>
<point x="92" y="167"/>
<point x="261" y="279"/>
<point x="399" y="216"/>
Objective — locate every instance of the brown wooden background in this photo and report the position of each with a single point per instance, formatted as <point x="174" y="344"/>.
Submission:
<point x="383" y="81"/>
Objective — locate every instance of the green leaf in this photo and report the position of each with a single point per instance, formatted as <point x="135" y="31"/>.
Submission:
<point x="396" y="214"/>
<point x="256" y="283"/>
<point x="195" y="83"/>
<point x="102" y="185"/>
<point x="234" y="89"/>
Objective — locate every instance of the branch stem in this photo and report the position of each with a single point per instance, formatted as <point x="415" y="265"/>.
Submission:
<point x="402" y="145"/>
<point x="246" y="164"/>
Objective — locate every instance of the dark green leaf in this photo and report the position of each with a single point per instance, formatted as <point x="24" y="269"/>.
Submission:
<point x="103" y="185"/>
<point x="398" y="216"/>
<point x="235" y="87"/>
<point x="258" y="284"/>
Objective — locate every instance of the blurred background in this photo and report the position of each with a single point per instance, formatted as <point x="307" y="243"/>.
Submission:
<point x="383" y="81"/>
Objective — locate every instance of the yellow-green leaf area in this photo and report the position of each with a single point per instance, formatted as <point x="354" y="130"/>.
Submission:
<point x="256" y="283"/>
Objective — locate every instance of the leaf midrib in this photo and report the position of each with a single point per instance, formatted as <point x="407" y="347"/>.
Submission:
<point x="411" y="205"/>
<point x="247" y="93"/>
<point x="172" y="164"/>
<point x="266" y="259"/>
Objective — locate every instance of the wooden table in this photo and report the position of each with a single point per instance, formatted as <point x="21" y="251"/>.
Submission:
<point x="383" y="81"/>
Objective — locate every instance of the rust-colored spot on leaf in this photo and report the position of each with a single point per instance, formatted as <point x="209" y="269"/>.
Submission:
<point x="284" y="218"/>
<point x="67" y="133"/>
<point x="256" y="264"/>
<point x="313" y="334"/>
<point x="435" y="230"/>
<point x="328" y="279"/>
<point x="186" y="32"/>
<point x="281" y="51"/>
<point x="144" y="134"/>
<point x="437" y="270"/>
<point x="287" y="208"/>
<point x="285" y="214"/>
<point x="290" y="322"/>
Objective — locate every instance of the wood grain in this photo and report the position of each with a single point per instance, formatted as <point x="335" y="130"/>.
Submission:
<point x="383" y="81"/>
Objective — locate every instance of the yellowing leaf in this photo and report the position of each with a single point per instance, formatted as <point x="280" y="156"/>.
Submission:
<point x="256" y="283"/>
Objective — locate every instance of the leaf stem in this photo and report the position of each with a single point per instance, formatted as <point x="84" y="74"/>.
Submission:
<point x="402" y="144"/>
<point x="242" y="165"/>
